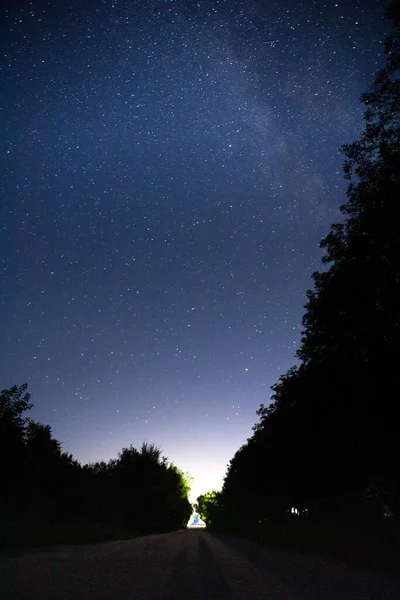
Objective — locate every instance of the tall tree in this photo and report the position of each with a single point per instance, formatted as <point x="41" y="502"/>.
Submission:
<point x="328" y="441"/>
<point x="351" y="334"/>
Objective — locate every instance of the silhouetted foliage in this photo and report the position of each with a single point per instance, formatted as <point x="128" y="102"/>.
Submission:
<point x="327" y="444"/>
<point x="140" y="489"/>
<point x="13" y="424"/>
<point x="151" y="491"/>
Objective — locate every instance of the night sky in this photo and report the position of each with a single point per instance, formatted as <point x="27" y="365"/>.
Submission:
<point x="168" y="169"/>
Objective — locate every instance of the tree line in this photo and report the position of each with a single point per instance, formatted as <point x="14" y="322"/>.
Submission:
<point x="327" y="446"/>
<point x="140" y="489"/>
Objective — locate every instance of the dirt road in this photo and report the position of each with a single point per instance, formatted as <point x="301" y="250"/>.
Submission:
<point x="185" y="565"/>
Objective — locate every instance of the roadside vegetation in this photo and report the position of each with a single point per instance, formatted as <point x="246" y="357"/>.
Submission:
<point x="47" y="497"/>
<point x="320" y="472"/>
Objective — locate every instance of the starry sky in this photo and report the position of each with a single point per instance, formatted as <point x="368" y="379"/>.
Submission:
<point x="168" y="168"/>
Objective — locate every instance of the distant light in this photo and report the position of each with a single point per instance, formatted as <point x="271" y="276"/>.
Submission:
<point x="195" y="522"/>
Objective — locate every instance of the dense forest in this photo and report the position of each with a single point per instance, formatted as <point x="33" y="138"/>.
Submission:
<point x="141" y="490"/>
<point x="326" y="448"/>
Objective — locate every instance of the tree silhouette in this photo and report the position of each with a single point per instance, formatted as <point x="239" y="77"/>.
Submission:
<point x="140" y="489"/>
<point x="152" y="492"/>
<point x="13" y="404"/>
<point x="327" y="444"/>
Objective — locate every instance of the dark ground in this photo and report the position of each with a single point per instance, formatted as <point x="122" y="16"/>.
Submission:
<point x="185" y="565"/>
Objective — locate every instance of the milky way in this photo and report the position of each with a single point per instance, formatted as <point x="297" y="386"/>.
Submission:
<point x="168" y="171"/>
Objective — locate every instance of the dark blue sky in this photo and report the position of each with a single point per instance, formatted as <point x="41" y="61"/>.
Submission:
<point x="168" y="169"/>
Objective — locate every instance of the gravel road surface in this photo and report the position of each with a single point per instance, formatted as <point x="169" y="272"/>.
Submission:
<point x="184" y="565"/>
